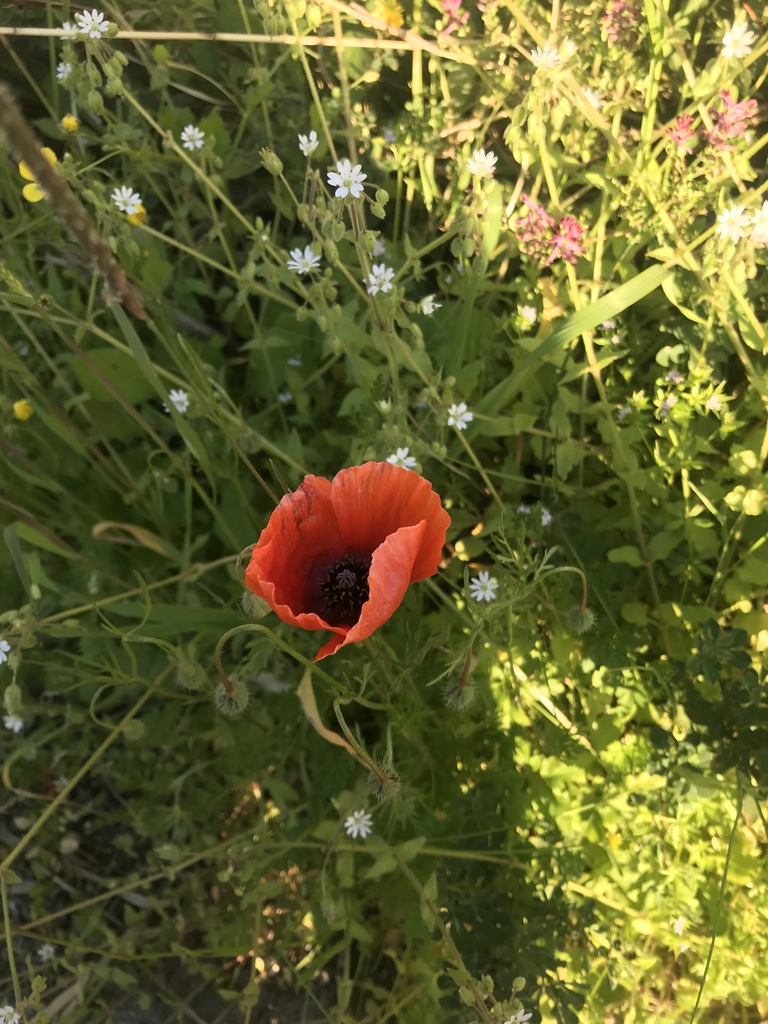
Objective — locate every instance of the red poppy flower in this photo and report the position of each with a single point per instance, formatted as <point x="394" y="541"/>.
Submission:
<point x="339" y="554"/>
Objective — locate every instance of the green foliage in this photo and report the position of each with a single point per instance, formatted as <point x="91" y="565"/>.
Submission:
<point x="561" y="738"/>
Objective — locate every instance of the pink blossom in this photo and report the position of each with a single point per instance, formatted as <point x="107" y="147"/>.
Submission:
<point x="539" y="236"/>
<point x="730" y="122"/>
<point x="619" y="22"/>
<point x="682" y="132"/>
<point x="452" y="11"/>
<point x="566" y="242"/>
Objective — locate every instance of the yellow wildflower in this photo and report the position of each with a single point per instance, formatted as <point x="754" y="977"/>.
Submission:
<point x="389" y="11"/>
<point x="33" y="193"/>
<point x="22" y="409"/>
<point x="70" y="123"/>
<point x="137" y="217"/>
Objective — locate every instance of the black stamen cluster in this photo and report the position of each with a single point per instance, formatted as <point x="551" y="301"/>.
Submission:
<point x="344" y="589"/>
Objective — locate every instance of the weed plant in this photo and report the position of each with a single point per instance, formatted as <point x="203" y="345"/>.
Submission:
<point x="516" y="248"/>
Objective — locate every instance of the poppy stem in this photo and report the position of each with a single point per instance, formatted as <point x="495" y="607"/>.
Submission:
<point x="255" y="627"/>
<point x="366" y="760"/>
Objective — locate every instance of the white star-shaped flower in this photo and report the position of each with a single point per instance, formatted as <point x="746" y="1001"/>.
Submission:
<point x="5" y="650"/>
<point x="192" y="138"/>
<point x="69" y="31"/>
<point x="63" y="70"/>
<point x="428" y="305"/>
<point x="528" y="313"/>
<point x="459" y="416"/>
<point x="759" y="234"/>
<point x="126" y="200"/>
<point x="545" y="58"/>
<point x="738" y="41"/>
<point x="402" y="458"/>
<point x="179" y="400"/>
<point x="347" y="180"/>
<point x="380" y="279"/>
<point x="733" y="223"/>
<point x="308" y="143"/>
<point x="483" y="587"/>
<point x="546" y="516"/>
<point x="482" y="164"/>
<point x="9" y="1016"/>
<point x="13" y="723"/>
<point x="46" y="952"/>
<point x="678" y="925"/>
<point x="92" y="23"/>
<point x="594" y="98"/>
<point x="520" y="1017"/>
<point x="304" y="262"/>
<point x="359" y="823"/>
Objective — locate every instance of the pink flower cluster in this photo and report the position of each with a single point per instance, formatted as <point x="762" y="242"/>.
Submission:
<point x="731" y="122"/>
<point x="619" y="21"/>
<point x="539" y="236"/>
<point x="456" y="17"/>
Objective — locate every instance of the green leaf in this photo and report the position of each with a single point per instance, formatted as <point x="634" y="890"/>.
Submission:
<point x="626" y="555"/>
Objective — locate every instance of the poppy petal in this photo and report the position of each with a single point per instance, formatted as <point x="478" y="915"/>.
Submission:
<point x="301" y="532"/>
<point x="390" y="574"/>
<point x="376" y="499"/>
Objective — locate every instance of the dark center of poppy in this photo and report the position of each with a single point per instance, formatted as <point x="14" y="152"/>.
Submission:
<point x="343" y="589"/>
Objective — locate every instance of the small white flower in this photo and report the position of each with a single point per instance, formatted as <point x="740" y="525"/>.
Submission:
<point x="304" y="262"/>
<point x="294" y="361"/>
<point x="359" y="823"/>
<point x="380" y="279"/>
<point x="192" y="138"/>
<point x="69" y="31"/>
<point x="482" y="164"/>
<point x="379" y="248"/>
<point x="738" y="42"/>
<point x="126" y="200"/>
<point x="715" y="402"/>
<point x="678" y="925"/>
<point x="666" y="406"/>
<point x="483" y="587"/>
<point x="546" y="516"/>
<point x="760" y="226"/>
<point x="308" y="143"/>
<point x="46" y="952"/>
<point x="428" y="305"/>
<point x="524" y="510"/>
<point x="402" y="458"/>
<point x="389" y="136"/>
<point x="459" y="416"/>
<point x="179" y="400"/>
<point x="520" y="1017"/>
<point x="8" y="1015"/>
<point x="623" y="412"/>
<point x="92" y="23"/>
<point x="13" y="723"/>
<point x="546" y="58"/>
<point x="608" y="325"/>
<point x="528" y="313"/>
<point x="733" y="223"/>
<point x="285" y="397"/>
<point x="384" y="405"/>
<point x="594" y="98"/>
<point x="63" y="70"/>
<point x="5" y="648"/>
<point x="347" y="180"/>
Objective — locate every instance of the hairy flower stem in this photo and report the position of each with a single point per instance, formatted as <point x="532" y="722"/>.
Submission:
<point x="255" y="627"/>
<point x="65" y="204"/>
<point x="361" y="754"/>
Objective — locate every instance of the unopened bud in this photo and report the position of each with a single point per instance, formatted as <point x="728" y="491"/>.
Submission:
<point x="271" y="162"/>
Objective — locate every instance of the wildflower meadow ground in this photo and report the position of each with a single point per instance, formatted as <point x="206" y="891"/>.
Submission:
<point x="383" y="450"/>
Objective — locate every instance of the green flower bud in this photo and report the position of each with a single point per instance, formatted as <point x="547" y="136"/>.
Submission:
<point x="271" y="162"/>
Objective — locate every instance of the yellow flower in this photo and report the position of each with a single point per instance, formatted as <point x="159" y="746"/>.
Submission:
<point x="138" y="217"/>
<point x="33" y="193"/>
<point x="70" y="123"/>
<point x="389" y="11"/>
<point x="614" y="840"/>
<point x="22" y="409"/>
